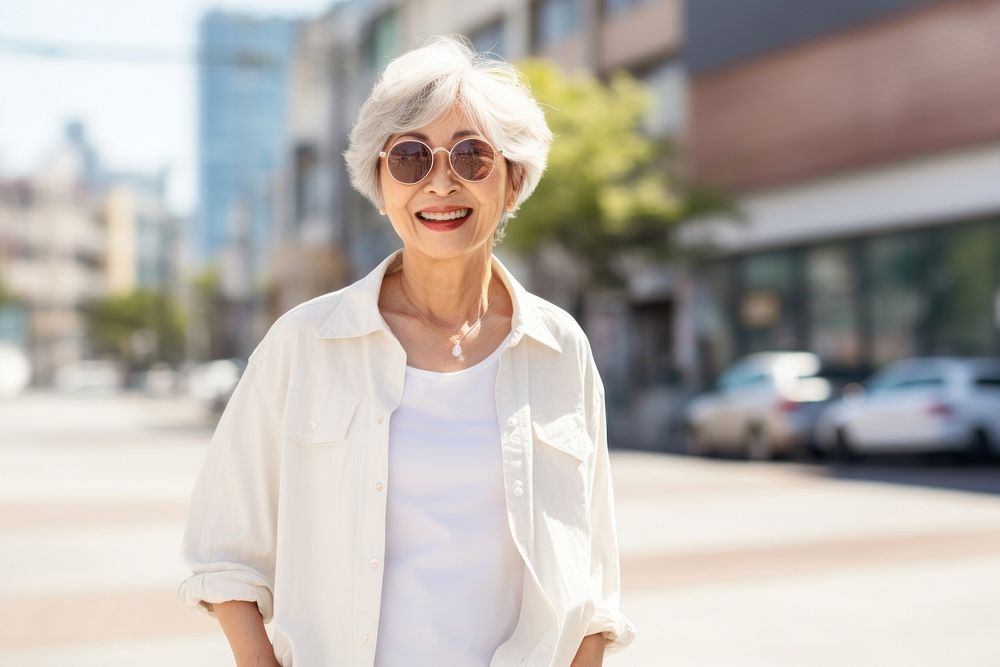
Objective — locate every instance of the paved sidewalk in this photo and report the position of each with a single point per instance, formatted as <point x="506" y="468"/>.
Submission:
<point x="729" y="563"/>
<point x="725" y="563"/>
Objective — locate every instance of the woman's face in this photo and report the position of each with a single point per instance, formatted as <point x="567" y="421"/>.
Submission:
<point x="408" y="206"/>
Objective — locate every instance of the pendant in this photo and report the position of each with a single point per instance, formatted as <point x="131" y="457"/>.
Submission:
<point x="456" y="351"/>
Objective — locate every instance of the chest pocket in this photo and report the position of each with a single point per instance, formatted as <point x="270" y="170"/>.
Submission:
<point x="565" y="431"/>
<point x="319" y="419"/>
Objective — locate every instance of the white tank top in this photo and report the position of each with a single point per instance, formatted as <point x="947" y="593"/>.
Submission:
<point x="451" y="589"/>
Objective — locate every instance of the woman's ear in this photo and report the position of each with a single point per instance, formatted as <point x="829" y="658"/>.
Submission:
<point x="515" y="178"/>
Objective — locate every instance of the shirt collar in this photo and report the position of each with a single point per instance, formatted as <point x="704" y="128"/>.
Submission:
<point x="356" y="313"/>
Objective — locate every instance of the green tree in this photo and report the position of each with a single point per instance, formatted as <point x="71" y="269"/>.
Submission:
<point x="141" y="327"/>
<point x="609" y="188"/>
<point x="5" y="296"/>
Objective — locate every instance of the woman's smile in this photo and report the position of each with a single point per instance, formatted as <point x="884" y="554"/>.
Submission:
<point x="444" y="218"/>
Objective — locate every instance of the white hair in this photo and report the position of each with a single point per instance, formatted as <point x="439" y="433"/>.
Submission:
<point x="419" y="86"/>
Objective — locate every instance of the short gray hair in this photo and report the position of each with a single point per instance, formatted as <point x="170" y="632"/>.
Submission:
<point x="419" y="86"/>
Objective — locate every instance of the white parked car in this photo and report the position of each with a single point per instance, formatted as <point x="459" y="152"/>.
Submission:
<point x="90" y="376"/>
<point x="15" y="370"/>
<point x="919" y="405"/>
<point x="214" y="381"/>
<point x="764" y="405"/>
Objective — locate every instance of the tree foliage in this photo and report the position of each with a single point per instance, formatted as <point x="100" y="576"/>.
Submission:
<point x="122" y="325"/>
<point x="6" y="297"/>
<point x="609" y="188"/>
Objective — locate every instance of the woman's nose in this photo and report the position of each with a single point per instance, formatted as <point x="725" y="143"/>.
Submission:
<point x="441" y="181"/>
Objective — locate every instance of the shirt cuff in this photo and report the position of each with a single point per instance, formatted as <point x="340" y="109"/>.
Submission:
<point x="614" y="626"/>
<point x="201" y="590"/>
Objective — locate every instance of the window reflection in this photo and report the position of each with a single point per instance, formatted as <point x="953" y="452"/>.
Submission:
<point x="833" y="320"/>
<point x="858" y="304"/>
<point x="964" y="280"/>
<point x="766" y="309"/>
<point x="897" y="301"/>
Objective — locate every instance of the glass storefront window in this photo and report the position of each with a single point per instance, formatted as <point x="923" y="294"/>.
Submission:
<point x="668" y="86"/>
<point x="858" y="304"/>
<point x="964" y="282"/>
<point x="833" y="318"/>
<point x="766" y="308"/>
<point x="897" y="299"/>
<point x="555" y="19"/>
<point x="714" y="321"/>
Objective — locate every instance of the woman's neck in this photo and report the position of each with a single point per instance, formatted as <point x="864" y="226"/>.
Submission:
<point x="450" y="292"/>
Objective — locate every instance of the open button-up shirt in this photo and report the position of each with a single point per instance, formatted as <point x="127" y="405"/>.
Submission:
<point x="288" y="510"/>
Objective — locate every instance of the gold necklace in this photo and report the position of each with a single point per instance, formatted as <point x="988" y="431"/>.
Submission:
<point x="455" y="339"/>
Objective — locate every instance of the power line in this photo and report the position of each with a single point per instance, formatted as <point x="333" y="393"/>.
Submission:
<point x="243" y="57"/>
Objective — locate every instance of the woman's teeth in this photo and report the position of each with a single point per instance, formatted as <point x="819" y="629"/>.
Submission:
<point x="451" y="215"/>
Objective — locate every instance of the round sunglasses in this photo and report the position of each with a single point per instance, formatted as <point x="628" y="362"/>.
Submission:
<point x="410" y="161"/>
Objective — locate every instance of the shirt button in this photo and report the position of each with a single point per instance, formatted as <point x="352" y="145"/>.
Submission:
<point x="380" y="419"/>
<point x="312" y="424"/>
<point x="512" y="421"/>
<point x="378" y="486"/>
<point x="518" y="491"/>
<point x="366" y="639"/>
<point x="374" y="563"/>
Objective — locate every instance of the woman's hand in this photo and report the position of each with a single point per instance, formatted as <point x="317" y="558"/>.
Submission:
<point x="591" y="652"/>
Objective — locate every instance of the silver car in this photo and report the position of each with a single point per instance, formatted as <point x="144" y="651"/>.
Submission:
<point x="764" y="405"/>
<point x="919" y="405"/>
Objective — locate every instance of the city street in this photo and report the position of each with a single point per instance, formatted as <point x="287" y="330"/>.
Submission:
<point x="725" y="563"/>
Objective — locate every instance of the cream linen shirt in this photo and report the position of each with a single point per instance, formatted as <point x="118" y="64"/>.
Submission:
<point x="288" y="509"/>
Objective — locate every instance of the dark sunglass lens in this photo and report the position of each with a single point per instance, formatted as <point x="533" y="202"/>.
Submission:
<point x="409" y="161"/>
<point x="472" y="159"/>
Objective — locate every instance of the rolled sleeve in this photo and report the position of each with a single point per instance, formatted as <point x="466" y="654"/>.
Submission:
<point x="605" y="568"/>
<point x="232" y="582"/>
<point x="230" y="539"/>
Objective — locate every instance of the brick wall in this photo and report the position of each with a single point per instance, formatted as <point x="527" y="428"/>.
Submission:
<point x="921" y="81"/>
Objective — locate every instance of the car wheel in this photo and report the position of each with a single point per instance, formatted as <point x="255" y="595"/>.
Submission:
<point x="814" y="452"/>
<point x="758" y="446"/>
<point x="843" y="449"/>
<point x="979" y="448"/>
<point x="694" y="443"/>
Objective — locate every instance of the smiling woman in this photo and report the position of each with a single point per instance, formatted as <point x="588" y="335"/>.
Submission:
<point x="414" y="470"/>
<point x="424" y="85"/>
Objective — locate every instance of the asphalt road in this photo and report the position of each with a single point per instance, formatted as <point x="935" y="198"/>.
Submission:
<point x="725" y="563"/>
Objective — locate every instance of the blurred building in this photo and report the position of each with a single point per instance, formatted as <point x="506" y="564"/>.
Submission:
<point x="310" y="239"/>
<point x="143" y="238"/>
<point x="328" y="235"/>
<point x="863" y="146"/>
<point x="853" y="137"/>
<point x="52" y="255"/>
<point x="242" y="110"/>
<point x="242" y="119"/>
<point x="73" y="232"/>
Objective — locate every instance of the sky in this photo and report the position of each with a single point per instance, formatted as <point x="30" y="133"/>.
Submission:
<point x="139" y="115"/>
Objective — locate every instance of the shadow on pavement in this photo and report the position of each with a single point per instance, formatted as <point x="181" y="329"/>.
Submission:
<point x="941" y="472"/>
